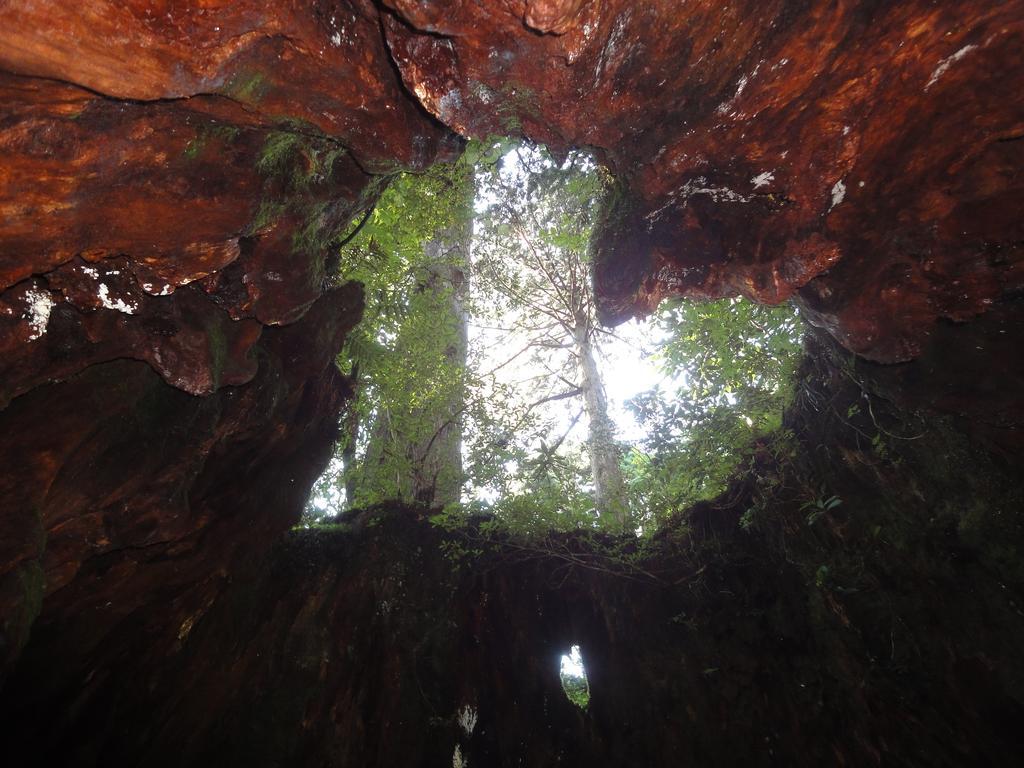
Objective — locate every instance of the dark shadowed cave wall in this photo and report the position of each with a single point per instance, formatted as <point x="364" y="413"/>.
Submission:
<point x="172" y="177"/>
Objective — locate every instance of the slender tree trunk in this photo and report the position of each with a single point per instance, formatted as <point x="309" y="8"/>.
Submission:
<point x="609" y="485"/>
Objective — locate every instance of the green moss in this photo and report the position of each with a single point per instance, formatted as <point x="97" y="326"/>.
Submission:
<point x="298" y="154"/>
<point x="268" y="212"/>
<point x="515" y="101"/>
<point x="249" y="87"/>
<point x="293" y="159"/>
<point x="317" y="233"/>
<point x="212" y="132"/>
<point x="616" y="208"/>
<point x="194" y="148"/>
<point x="217" y="344"/>
<point x="279" y="152"/>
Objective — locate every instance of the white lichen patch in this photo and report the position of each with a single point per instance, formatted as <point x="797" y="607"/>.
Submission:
<point x="449" y="104"/>
<point x="838" y="194"/>
<point x="726" y="106"/>
<point x="483" y="93"/>
<point x="103" y="293"/>
<point x="467" y="717"/>
<point x="700" y="186"/>
<point x="946" y="63"/>
<point x="40" y="304"/>
<point x="763" y="179"/>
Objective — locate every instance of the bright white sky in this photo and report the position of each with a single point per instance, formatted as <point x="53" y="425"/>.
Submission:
<point x="629" y="369"/>
<point x="572" y="663"/>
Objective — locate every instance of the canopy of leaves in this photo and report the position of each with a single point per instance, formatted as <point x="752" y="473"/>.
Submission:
<point x="730" y="366"/>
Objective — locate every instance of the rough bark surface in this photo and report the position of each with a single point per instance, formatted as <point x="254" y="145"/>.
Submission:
<point x="172" y="177"/>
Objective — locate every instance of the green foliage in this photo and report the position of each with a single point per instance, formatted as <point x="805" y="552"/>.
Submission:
<point x="401" y="351"/>
<point x="577" y="690"/>
<point x="458" y="554"/>
<point x="731" y="364"/>
<point x="821" y="504"/>
<point x="573" y="676"/>
<point x="533" y="301"/>
<point x="325" y="524"/>
<point x="386" y="253"/>
<point x="546" y="493"/>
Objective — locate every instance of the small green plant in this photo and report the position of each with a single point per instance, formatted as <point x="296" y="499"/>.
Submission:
<point x="576" y="690"/>
<point x="748" y="520"/>
<point x="820" y="506"/>
<point x="879" y="446"/>
<point x="821" y="577"/>
<point x="458" y="553"/>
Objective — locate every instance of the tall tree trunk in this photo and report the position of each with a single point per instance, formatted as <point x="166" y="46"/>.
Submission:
<point x="609" y="485"/>
<point x="415" y="449"/>
<point x="437" y="457"/>
<point x="351" y="438"/>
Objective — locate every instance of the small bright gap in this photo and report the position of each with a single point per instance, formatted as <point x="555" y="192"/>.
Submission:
<point x="574" y="678"/>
